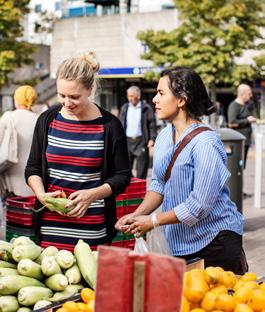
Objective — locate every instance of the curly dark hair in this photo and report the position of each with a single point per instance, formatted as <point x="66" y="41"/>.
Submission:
<point x="186" y="84"/>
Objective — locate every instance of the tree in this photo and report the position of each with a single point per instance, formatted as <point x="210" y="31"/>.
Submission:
<point x="212" y="35"/>
<point x="13" y="52"/>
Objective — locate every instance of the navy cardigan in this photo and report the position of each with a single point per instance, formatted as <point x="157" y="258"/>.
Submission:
<point x="116" y="169"/>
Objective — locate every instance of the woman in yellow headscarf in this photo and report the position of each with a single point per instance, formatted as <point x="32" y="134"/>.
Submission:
<point x="24" y="121"/>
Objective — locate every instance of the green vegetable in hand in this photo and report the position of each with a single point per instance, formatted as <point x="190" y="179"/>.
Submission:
<point x="56" y="204"/>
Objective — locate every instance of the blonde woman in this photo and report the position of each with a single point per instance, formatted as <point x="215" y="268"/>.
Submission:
<point x="24" y="121"/>
<point x="81" y="149"/>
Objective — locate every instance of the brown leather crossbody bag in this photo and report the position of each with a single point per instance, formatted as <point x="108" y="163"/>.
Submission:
<point x="184" y="142"/>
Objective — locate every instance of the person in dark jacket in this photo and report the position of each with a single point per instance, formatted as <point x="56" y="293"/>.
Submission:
<point x="239" y="116"/>
<point x="80" y="150"/>
<point x="139" y="122"/>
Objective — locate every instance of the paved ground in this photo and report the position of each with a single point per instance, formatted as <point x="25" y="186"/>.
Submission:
<point x="254" y="228"/>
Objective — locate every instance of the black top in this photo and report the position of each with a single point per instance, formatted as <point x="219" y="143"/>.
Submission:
<point x="116" y="169"/>
<point x="237" y="114"/>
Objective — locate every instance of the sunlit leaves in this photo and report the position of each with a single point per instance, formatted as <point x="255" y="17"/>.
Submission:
<point x="211" y="37"/>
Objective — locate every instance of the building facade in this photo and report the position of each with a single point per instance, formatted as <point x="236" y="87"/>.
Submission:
<point x="114" y="39"/>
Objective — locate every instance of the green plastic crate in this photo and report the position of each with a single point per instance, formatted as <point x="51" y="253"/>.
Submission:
<point x="13" y="232"/>
<point x="128" y="202"/>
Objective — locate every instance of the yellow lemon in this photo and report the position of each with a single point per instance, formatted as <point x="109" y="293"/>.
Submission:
<point x="229" y="279"/>
<point x="242" y="307"/>
<point x="213" y="276"/>
<point x="257" y="300"/>
<point x="208" y="301"/>
<point x="251" y="285"/>
<point x="225" y="303"/>
<point x="242" y="294"/>
<point x="221" y="289"/>
<point x="195" y="289"/>
<point x="249" y="276"/>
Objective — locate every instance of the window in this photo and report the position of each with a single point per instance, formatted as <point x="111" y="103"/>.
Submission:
<point x="57" y="6"/>
<point x="37" y="8"/>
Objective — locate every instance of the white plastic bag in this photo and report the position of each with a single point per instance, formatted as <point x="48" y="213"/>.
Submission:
<point x="156" y="241"/>
<point x="140" y="246"/>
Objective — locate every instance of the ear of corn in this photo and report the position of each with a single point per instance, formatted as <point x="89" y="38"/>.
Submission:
<point x="24" y="309"/>
<point x="30" y="251"/>
<point x="22" y="240"/>
<point x="86" y="262"/>
<point x="73" y="275"/>
<point x="5" y="264"/>
<point x="57" y="282"/>
<point x="10" y="285"/>
<point x="8" y="271"/>
<point x="4" y="243"/>
<point x="57" y="204"/>
<point x="6" y="252"/>
<point x="29" y="295"/>
<point x="65" y="259"/>
<point x="48" y="251"/>
<point x="8" y="304"/>
<point x="41" y="304"/>
<point x="49" y="266"/>
<point x="30" y="268"/>
<point x="69" y="291"/>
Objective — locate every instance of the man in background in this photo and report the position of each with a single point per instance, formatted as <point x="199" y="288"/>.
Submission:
<point x="240" y="118"/>
<point x="138" y="120"/>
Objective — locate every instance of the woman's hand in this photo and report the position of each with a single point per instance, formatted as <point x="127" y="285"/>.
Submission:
<point x="41" y="196"/>
<point x="123" y="225"/>
<point x="140" y="225"/>
<point x="81" y="200"/>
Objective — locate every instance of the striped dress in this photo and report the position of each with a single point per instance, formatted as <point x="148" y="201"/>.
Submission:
<point x="74" y="157"/>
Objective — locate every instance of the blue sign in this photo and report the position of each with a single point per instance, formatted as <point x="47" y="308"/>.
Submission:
<point x="126" y="71"/>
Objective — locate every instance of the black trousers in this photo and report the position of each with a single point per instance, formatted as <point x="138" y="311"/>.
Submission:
<point x="246" y="148"/>
<point x="224" y="251"/>
<point x="139" y="152"/>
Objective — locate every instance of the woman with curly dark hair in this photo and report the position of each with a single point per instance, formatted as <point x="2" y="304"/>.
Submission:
<point x="189" y="178"/>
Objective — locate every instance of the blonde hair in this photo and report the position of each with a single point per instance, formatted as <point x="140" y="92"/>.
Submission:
<point x="25" y="96"/>
<point x="83" y="69"/>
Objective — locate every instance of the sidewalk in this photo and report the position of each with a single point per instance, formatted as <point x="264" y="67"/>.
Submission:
<point x="254" y="227"/>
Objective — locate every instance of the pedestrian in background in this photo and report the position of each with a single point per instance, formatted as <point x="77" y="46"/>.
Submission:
<point x="24" y="121"/>
<point x="139" y="122"/>
<point x="80" y="149"/>
<point x="198" y="216"/>
<point x="239" y="116"/>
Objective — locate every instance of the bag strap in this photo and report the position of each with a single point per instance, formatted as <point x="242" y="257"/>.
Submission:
<point x="184" y="142"/>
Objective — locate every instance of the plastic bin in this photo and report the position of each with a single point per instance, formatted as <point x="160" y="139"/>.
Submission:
<point x="136" y="189"/>
<point x="234" y="146"/>
<point x="14" y="232"/>
<point x="19" y="211"/>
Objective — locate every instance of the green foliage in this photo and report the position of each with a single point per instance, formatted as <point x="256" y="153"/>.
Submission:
<point x="211" y="37"/>
<point x="13" y="53"/>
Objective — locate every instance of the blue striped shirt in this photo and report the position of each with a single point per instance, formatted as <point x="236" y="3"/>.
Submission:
<point x="196" y="190"/>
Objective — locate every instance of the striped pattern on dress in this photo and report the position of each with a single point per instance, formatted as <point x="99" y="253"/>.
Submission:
<point x="196" y="190"/>
<point x="74" y="156"/>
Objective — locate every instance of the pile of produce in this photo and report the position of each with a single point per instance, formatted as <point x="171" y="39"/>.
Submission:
<point x="214" y="289"/>
<point x="88" y="304"/>
<point x="32" y="277"/>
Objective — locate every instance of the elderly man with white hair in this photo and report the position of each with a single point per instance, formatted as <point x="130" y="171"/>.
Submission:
<point x="138" y="120"/>
<point x="239" y="116"/>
